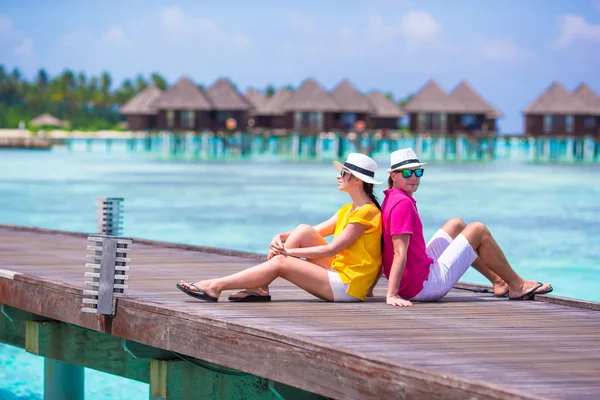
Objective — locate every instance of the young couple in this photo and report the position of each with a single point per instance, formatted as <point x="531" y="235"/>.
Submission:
<point x="370" y="239"/>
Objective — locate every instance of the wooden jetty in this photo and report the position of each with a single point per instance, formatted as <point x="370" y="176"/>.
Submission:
<point x="470" y="345"/>
<point x="25" y="143"/>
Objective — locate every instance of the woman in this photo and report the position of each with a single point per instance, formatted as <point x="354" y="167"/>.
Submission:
<point x="342" y="271"/>
<point x="417" y="272"/>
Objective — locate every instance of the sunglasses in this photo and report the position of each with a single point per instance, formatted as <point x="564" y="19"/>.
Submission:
<point x="343" y="172"/>
<point x="407" y="173"/>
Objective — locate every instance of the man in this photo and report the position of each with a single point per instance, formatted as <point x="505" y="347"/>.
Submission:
<point x="419" y="272"/>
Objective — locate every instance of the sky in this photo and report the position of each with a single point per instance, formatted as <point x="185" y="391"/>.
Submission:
<point x="510" y="51"/>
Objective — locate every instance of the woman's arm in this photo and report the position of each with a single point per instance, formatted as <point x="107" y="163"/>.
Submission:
<point x="396" y="271"/>
<point x="327" y="228"/>
<point x="341" y="242"/>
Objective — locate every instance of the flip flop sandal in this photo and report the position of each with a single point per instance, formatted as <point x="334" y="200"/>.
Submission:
<point x="252" y="297"/>
<point x="199" y="294"/>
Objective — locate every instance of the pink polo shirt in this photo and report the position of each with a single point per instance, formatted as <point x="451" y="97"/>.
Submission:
<point x="400" y="216"/>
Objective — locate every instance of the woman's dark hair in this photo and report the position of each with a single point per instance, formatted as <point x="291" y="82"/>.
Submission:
<point x="368" y="188"/>
<point x="390" y="182"/>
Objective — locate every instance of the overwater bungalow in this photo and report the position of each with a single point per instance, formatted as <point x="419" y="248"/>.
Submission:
<point x="353" y="107"/>
<point x="310" y="109"/>
<point x="554" y="112"/>
<point x="140" y="112"/>
<point x="183" y="107"/>
<point x="384" y="114"/>
<point x="432" y="110"/>
<point x="258" y="117"/>
<point x="588" y="124"/>
<point x="228" y="105"/>
<point x="276" y="116"/>
<point x="478" y="116"/>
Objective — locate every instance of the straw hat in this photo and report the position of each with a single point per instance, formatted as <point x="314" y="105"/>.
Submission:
<point x="404" y="159"/>
<point x="360" y="166"/>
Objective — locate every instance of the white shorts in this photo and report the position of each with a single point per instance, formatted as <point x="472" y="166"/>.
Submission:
<point x="452" y="258"/>
<point x="339" y="288"/>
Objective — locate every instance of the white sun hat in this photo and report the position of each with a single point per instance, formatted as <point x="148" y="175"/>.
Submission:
<point x="359" y="165"/>
<point x="404" y="159"/>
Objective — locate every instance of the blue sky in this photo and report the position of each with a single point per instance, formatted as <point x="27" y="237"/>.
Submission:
<point x="510" y="51"/>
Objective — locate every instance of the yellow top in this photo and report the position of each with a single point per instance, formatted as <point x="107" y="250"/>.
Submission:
<point x="359" y="263"/>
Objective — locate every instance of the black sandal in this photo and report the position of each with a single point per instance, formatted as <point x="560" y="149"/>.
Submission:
<point x="199" y="294"/>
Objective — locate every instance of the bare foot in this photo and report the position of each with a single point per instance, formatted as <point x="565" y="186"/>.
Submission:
<point x="528" y="286"/>
<point x="207" y="287"/>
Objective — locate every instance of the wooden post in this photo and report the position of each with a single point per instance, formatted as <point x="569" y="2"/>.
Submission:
<point x="110" y="215"/>
<point x="109" y="264"/>
<point x="459" y="147"/>
<point x="295" y="146"/>
<point x="63" y="381"/>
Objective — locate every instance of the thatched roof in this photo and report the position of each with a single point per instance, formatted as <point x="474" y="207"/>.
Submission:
<point x="184" y="95"/>
<point x="224" y="96"/>
<point x="310" y="96"/>
<point x="143" y="102"/>
<point x="275" y="104"/>
<point x="558" y="100"/>
<point x="257" y="100"/>
<point x="48" y="120"/>
<point x="383" y="107"/>
<point x="474" y="103"/>
<point x="350" y="99"/>
<point x="586" y="95"/>
<point x="431" y="98"/>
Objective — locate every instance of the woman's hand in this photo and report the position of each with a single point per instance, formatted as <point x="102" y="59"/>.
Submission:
<point x="397" y="301"/>
<point x="275" y="246"/>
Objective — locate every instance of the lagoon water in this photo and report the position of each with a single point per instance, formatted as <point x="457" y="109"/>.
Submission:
<point x="546" y="217"/>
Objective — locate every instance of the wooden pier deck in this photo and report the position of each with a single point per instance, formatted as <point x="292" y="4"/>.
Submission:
<point x="470" y="345"/>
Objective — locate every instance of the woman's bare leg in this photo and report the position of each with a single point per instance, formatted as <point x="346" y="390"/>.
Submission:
<point x="306" y="275"/>
<point x="493" y="258"/>
<point x="302" y="236"/>
<point x="454" y="227"/>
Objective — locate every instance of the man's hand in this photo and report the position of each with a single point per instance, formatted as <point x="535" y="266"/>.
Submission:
<point x="397" y="301"/>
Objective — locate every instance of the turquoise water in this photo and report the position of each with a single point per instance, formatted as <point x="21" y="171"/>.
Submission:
<point x="546" y="217"/>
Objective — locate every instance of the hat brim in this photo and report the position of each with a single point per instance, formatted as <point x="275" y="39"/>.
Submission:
<point x="362" y="177"/>
<point x="407" y="166"/>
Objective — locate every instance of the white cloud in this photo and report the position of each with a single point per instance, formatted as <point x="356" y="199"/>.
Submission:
<point x="179" y="27"/>
<point x="574" y="28"/>
<point x="504" y="49"/>
<point x="114" y="36"/>
<point x="419" y="25"/>
<point x="13" y="38"/>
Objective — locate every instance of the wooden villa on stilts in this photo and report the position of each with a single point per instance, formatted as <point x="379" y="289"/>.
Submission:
<point x="384" y="114"/>
<point x="257" y="114"/>
<point x="478" y="116"/>
<point x="311" y="109"/>
<point x="431" y="110"/>
<point x="353" y="109"/>
<point x="229" y="107"/>
<point x="183" y="107"/>
<point x="588" y="124"/>
<point x="141" y="112"/>
<point x="554" y="113"/>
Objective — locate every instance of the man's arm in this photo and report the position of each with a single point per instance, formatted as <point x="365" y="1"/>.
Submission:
<point x="400" y="249"/>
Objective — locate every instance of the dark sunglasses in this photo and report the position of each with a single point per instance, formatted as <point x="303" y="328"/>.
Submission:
<point x="407" y="173"/>
<point x="344" y="172"/>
